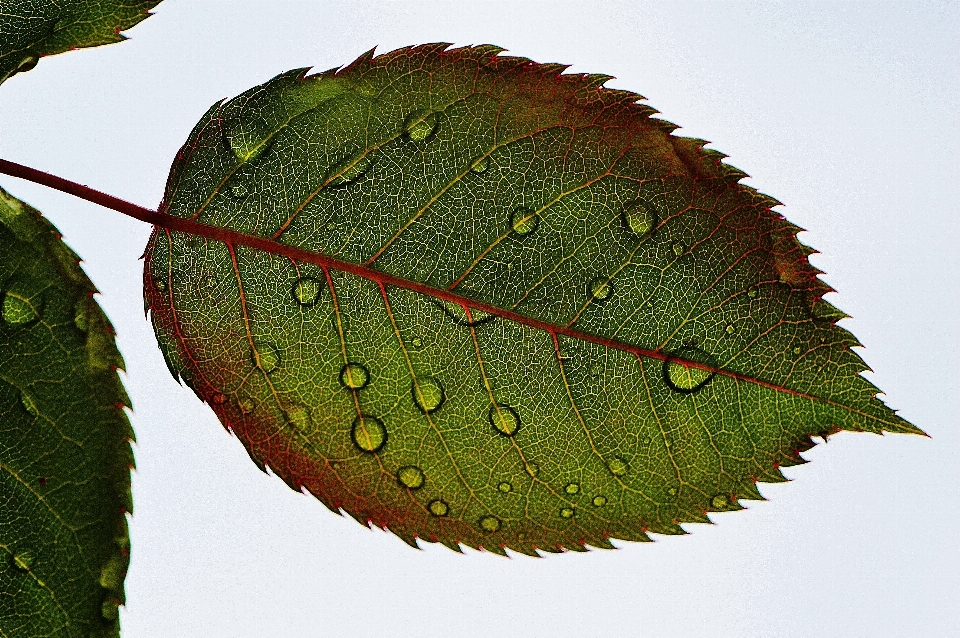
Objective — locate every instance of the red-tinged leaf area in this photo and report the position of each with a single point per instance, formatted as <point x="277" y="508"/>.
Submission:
<point x="474" y="300"/>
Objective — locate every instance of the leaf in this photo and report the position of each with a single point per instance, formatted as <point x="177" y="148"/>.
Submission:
<point x="30" y="29"/>
<point x="470" y="299"/>
<point x="65" y="453"/>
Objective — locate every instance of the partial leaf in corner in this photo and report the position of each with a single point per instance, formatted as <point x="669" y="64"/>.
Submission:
<point x="31" y="29"/>
<point x="65" y="454"/>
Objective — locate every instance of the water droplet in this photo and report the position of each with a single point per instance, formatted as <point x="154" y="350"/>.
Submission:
<point x="797" y="350"/>
<point x="489" y="524"/>
<point x="428" y="394"/>
<point x="109" y="609"/>
<point x="617" y="466"/>
<point x="265" y="357"/>
<point x="639" y="218"/>
<point x="504" y="419"/>
<point x="368" y="433"/>
<point x="730" y="329"/>
<point x="566" y="512"/>
<point x="678" y="249"/>
<point x="23" y="561"/>
<point x="353" y="171"/>
<point x="672" y="491"/>
<point x="459" y="314"/>
<point x="752" y="293"/>
<point x="505" y="487"/>
<point x="354" y="376"/>
<point x="720" y="502"/>
<point x="246" y="405"/>
<point x="438" y="507"/>
<point x="219" y="398"/>
<point x="524" y="221"/>
<point x="600" y="289"/>
<point x="686" y="378"/>
<point x="481" y="165"/>
<point x="421" y="125"/>
<point x="599" y="500"/>
<point x="81" y="318"/>
<point x="297" y="416"/>
<point x="416" y="342"/>
<point x="28" y="404"/>
<point x="572" y="488"/>
<point x="532" y="468"/>
<point x="17" y="311"/>
<point x="239" y="190"/>
<point x="27" y="63"/>
<point x="411" y="476"/>
<point x="306" y="291"/>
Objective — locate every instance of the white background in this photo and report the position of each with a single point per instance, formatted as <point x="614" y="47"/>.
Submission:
<point x="846" y="112"/>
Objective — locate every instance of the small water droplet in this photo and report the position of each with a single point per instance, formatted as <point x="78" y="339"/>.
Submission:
<point x="489" y="524"/>
<point x="23" y="560"/>
<point x="566" y="512"/>
<point x="481" y="165"/>
<point x="678" y="249"/>
<point x="416" y="342"/>
<point x="411" y="476"/>
<point x="686" y="378"/>
<point x="532" y="468"/>
<point x="720" y="502"/>
<point x="298" y="416"/>
<point x="438" y="507"/>
<point x="797" y="350"/>
<point x="306" y="291"/>
<point x="28" y="404"/>
<point x="368" y="433"/>
<point x="219" y="398"/>
<point x="524" y="221"/>
<point x="239" y="190"/>
<point x="353" y="171"/>
<point x="572" y="488"/>
<point x="354" y="376"/>
<point x="639" y="218"/>
<point x="109" y="607"/>
<point x="505" y="487"/>
<point x="265" y="357"/>
<point x="617" y="466"/>
<point x="599" y="500"/>
<point x="27" y="63"/>
<point x="672" y="491"/>
<point x="504" y="419"/>
<point x="459" y="314"/>
<point x="428" y="394"/>
<point x="81" y="318"/>
<point x="752" y="293"/>
<point x="17" y="311"/>
<point x="421" y="125"/>
<point x="730" y="329"/>
<point x="246" y="405"/>
<point x="600" y="289"/>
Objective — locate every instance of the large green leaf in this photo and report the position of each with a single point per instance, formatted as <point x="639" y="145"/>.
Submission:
<point x="65" y="453"/>
<point x="31" y="29"/>
<point x="470" y="299"/>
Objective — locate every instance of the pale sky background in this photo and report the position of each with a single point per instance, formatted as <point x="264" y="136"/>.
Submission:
<point x="846" y="112"/>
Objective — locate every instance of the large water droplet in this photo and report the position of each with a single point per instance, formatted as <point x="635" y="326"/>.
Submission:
<point x="720" y="502"/>
<point x="438" y="507"/>
<point x="306" y="291"/>
<point x="17" y="311"/>
<point x="459" y="315"/>
<point x="353" y="171"/>
<point x="421" y="125"/>
<point x="368" y="433"/>
<point x="23" y="560"/>
<point x="617" y="466"/>
<point x="504" y="419"/>
<point x="428" y="394"/>
<point x="567" y="512"/>
<point x="411" y="476"/>
<point x="28" y="404"/>
<point x="489" y="524"/>
<point x="524" y="221"/>
<point x="599" y="500"/>
<point x="600" y="289"/>
<point x="505" y="487"/>
<point x="354" y="376"/>
<point x="682" y="376"/>
<point x="265" y="357"/>
<point x="481" y="165"/>
<point x="572" y="488"/>
<point x="639" y="218"/>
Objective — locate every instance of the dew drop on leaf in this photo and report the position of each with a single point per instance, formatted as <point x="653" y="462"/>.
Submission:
<point x="524" y="221"/>
<point x="489" y="523"/>
<point x="438" y="507"/>
<point x="720" y="502"/>
<point x="797" y="350"/>
<point x="298" y="416"/>
<point x="504" y="419"/>
<point x="685" y="378"/>
<point x="481" y="165"/>
<point x="266" y="357"/>
<point x="678" y="249"/>
<point x="416" y="342"/>
<point x="109" y="608"/>
<point x="368" y="433"/>
<point x="638" y="219"/>
<point x="599" y="500"/>
<point x="353" y="171"/>
<point x="617" y="466"/>
<point x="28" y="404"/>
<point x="354" y="376"/>
<point x="23" y="560"/>
<point x="566" y="512"/>
<point x="306" y="291"/>
<point x="572" y="488"/>
<point x="428" y="394"/>
<point x="17" y="311"/>
<point x="600" y="289"/>
<point x="730" y="329"/>
<point x="505" y="487"/>
<point x="421" y="125"/>
<point x="411" y="476"/>
<point x="672" y="491"/>
<point x="532" y="468"/>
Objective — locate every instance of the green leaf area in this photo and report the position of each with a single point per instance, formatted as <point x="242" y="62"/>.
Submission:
<point x="499" y="306"/>
<point x="31" y="29"/>
<point x="65" y="453"/>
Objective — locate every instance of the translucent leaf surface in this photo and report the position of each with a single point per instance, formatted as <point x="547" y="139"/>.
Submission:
<point x="31" y="29"/>
<point x="65" y="453"/>
<point x="494" y="305"/>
